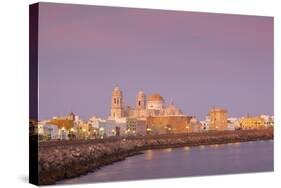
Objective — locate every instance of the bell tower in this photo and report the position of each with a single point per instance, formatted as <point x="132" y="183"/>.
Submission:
<point x="117" y="103"/>
<point x="140" y="101"/>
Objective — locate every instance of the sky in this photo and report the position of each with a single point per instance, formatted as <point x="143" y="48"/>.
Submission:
<point x="195" y="60"/>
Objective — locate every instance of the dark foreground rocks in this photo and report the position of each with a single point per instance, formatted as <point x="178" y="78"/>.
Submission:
<point x="68" y="159"/>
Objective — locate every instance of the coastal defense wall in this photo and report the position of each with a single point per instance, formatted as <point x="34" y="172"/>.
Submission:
<point x="69" y="159"/>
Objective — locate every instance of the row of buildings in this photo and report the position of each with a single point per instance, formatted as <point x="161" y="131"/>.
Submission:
<point x="150" y="115"/>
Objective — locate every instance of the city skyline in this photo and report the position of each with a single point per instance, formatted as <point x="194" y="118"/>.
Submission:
<point x="196" y="60"/>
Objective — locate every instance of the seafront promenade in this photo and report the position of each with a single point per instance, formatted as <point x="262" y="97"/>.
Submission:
<point x="60" y="160"/>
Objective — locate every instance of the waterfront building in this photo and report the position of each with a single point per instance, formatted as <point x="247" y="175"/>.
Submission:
<point x="81" y="130"/>
<point x="168" y="124"/>
<point x="97" y="127"/>
<point x="268" y="120"/>
<point x="252" y="122"/>
<point x="63" y="134"/>
<point x="205" y="123"/>
<point x="116" y="127"/>
<point x="136" y="126"/>
<point x="51" y="131"/>
<point x="96" y="122"/>
<point x="195" y="125"/>
<point x="218" y="119"/>
<point x="46" y="131"/>
<point x="233" y="124"/>
<point x="66" y="122"/>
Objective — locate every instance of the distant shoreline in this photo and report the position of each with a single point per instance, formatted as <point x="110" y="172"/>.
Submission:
<point x="74" y="158"/>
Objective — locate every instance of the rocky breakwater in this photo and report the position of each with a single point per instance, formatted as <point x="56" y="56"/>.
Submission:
<point x="68" y="159"/>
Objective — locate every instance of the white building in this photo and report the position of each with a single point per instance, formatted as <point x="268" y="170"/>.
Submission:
<point x="195" y="125"/>
<point x="51" y="131"/>
<point x="99" y="124"/>
<point x="116" y="127"/>
<point x="232" y="123"/>
<point x="63" y="134"/>
<point x="205" y="123"/>
<point x="96" y="122"/>
<point x="268" y="120"/>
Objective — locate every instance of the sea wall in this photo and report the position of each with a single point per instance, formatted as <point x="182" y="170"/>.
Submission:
<point x="68" y="159"/>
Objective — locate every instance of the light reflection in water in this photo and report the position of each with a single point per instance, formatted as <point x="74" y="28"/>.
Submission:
<point x="167" y="150"/>
<point x="215" y="146"/>
<point x="202" y="147"/>
<point x="148" y="155"/>
<point x="186" y="148"/>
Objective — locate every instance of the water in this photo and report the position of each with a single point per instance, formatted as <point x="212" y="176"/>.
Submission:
<point x="188" y="161"/>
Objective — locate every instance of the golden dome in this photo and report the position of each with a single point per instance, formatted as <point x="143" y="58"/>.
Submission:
<point x="155" y="97"/>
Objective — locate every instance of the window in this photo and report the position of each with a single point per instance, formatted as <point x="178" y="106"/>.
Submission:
<point x="114" y="100"/>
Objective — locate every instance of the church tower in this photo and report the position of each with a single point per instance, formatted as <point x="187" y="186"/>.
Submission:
<point x="140" y="101"/>
<point x="117" y="103"/>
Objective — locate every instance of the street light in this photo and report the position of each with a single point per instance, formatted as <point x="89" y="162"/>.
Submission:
<point x="113" y="132"/>
<point x="187" y="127"/>
<point x="149" y="130"/>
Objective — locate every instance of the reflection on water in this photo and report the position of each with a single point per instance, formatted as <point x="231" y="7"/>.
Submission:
<point x="202" y="147"/>
<point x="187" y="161"/>
<point x="167" y="150"/>
<point x="215" y="145"/>
<point x="148" y="155"/>
<point x="186" y="148"/>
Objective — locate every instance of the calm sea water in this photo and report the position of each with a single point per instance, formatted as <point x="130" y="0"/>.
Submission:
<point x="187" y="161"/>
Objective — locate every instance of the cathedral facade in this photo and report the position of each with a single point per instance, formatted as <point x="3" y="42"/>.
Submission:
<point x="153" y="105"/>
<point x="149" y="115"/>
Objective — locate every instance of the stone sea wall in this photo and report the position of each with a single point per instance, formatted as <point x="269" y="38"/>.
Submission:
<point x="68" y="159"/>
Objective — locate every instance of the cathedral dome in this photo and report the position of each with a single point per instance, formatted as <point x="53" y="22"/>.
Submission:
<point x="155" y="97"/>
<point x="173" y="110"/>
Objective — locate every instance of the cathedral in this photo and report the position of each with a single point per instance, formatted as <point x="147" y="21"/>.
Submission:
<point x="152" y="106"/>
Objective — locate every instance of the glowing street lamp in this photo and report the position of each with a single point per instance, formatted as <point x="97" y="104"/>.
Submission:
<point x="149" y="130"/>
<point x="187" y="127"/>
<point x="113" y="132"/>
